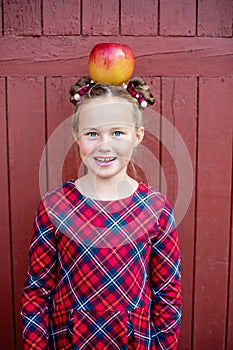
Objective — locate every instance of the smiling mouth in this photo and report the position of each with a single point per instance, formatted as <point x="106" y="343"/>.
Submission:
<point x="104" y="159"/>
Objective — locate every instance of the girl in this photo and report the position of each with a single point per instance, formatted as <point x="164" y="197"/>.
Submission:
<point x="104" y="264"/>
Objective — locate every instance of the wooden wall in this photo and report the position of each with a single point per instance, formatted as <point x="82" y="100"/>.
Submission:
<point x="184" y="49"/>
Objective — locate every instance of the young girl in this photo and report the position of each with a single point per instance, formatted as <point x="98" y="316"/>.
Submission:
<point x="104" y="264"/>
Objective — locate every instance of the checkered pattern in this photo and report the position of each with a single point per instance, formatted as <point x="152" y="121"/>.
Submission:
<point x="102" y="274"/>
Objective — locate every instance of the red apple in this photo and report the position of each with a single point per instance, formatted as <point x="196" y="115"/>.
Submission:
<point x="111" y="63"/>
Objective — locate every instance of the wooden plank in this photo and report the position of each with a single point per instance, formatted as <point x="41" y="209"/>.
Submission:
<point x="213" y="212"/>
<point x="100" y="17"/>
<point x="178" y="17"/>
<point x="179" y="97"/>
<point x="139" y="17"/>
<point x="22" y="17"/>
<point x="161" y="56"/>
<point x="64" y="162"/>
<point x="26" y="140"/>
<point x="146" y="157"/>
<point x="6" y="307"/>
<point x="61" y="18"/>
<point x="229" y="335"/>
<point x="215" y="18"/>
<point x="1" y="18"/>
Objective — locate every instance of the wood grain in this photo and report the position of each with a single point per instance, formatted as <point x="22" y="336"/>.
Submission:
<point x="6" y="307"/>
<point x="179" y="101"/>
<point x="158" y="56"/>
<point x="64" y="162"/>
<point x="61" y="18"/>
<point x="100" y="17"/>
<point x="1" y="13"/>
<point x="22" y="17"/>
<point x="139" y="17"/>
<point x="213" y="212"/>
<point x="215" y="18"/>
<point x="229" y="337"/>
<point x="26" y="140"/>
<point x="178" y="17"/>
<point x="147" y="155"/>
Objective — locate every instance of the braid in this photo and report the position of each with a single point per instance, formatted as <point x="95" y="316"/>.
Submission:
<point x="137" y="93"/>
<point x="75" y="89"/>
<point x="139" y="85"/>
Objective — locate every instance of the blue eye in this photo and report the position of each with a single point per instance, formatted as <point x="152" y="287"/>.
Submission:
<point x="92" y="134"/>
<point x="117" y="133"/>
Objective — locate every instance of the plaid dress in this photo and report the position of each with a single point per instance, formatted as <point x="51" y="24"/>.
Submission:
<point x="102" y="274"/>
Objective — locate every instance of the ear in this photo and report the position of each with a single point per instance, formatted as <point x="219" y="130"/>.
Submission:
<point x="139" y="135"/>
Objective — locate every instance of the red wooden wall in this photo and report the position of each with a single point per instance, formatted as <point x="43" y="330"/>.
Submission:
<point x="184" y="48"/>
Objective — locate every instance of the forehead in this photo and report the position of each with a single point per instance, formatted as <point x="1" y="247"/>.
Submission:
<point x="105" y="112"/>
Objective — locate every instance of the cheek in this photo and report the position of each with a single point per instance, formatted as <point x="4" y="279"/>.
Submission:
<point x="125" y="147"/>
<point x="86" y="147"/>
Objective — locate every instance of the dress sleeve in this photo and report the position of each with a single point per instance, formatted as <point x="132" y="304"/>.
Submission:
<point x="39" y="282"/>
<point x="165" y="282"/>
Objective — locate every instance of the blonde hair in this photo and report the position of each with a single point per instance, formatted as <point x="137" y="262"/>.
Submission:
<point x="102" y="90"/>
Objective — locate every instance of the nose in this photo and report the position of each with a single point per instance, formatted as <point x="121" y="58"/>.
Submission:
<point x="105" y="144"/>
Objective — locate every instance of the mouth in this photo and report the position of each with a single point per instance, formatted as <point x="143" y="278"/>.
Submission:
<point x="104" y="161"/>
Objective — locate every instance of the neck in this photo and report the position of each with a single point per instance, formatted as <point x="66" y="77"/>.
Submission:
<point x="119" y="186"/>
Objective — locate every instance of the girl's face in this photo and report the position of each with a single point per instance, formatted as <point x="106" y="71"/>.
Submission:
<point x="107" y="136"/>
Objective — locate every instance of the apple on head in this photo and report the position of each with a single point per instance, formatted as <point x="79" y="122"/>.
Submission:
<point x="111" y="63"/>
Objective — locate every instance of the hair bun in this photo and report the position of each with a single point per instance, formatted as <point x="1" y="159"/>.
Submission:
<point x="139" y="85"/>
<point x="74" y="89"/>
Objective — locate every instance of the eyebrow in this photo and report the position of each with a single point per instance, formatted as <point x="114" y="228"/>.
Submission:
<point x="113" y="127"/>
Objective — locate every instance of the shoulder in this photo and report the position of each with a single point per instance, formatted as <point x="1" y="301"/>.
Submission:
<point x="59" y="190"/>
<point x="148" y="192"/>
<point x="59" y="195"/>
<point x="162" y="208"/>
<point x="156" y="200"/>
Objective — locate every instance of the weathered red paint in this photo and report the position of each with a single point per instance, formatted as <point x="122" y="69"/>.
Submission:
<point x="213" y="212"/>
<point x="179" y="105"/>
<point x="229" y="340"/>
<point x="61" y="18"/>
<point x="139" y="18"/>
<point x="215" y="18"/>
<point x="184" y="50"/>
<point x="1" y="17"/>
<point x="22" y="17"/>
<point x="26" y="141"/>
<point x="178" y="17"/>
<point x="6" y="307"/>
<point x="161" y="56"/>
<point x="100" y="17"/>
<point x="58" y="110"/>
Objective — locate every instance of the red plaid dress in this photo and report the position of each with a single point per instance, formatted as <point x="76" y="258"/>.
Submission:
<point x="102" y="274"/>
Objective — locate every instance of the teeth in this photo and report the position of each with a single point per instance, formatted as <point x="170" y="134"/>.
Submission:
<point x="105" y="159"/>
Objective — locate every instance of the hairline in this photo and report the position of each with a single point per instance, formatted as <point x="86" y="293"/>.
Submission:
<point x="107" y="98"/>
